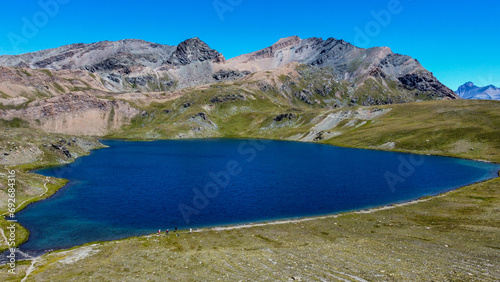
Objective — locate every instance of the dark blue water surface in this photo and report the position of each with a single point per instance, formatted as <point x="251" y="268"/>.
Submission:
<point x="136" y="188"/>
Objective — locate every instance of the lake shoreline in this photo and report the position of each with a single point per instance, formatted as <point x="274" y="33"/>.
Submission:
<point x="277" y="221"/>
<point x="390" y="243"/>
<point x="285" y="221"/>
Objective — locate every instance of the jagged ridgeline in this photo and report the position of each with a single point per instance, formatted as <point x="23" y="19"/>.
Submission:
<point x="471" y="91"/>
<point x="97" y="88"/>
<point x="139" y="65"/>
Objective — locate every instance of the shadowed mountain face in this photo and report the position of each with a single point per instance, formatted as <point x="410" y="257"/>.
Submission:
<point x="139" y="65"/>
<point x="471" y="91"/>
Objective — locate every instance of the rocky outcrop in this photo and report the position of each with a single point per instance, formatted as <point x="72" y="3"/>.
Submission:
<point x="202" y="124"/>
<point x="121" y="65"/>
<point x="193" y="50"/>
<point x="141" y="80"/>
<point x="319" y="136"/>
<point x="63" y="149"/>
<point x="229" y="75"/>
<point x="286" y="116"/>
<point x="226" y="98"/>
<point x="203" y="116"/>
<point x="428" y="83"/>
<point x="304" y="96"/>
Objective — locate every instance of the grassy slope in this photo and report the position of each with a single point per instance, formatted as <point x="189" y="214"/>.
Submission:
<point x="459" y="128"/>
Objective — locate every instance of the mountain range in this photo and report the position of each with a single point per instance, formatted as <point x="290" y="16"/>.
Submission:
<point x="93" y="89"/>
<point x="135" y="64"/>
<point x="471" y="91"/>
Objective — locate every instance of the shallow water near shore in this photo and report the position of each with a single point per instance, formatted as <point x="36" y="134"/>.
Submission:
<point x="136" y="188"/>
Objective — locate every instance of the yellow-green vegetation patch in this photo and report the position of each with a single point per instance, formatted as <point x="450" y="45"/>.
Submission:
<point x="46" y="72"/>
<point x="461" y="128"/>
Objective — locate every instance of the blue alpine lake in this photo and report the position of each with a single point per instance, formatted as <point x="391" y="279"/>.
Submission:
<point x="136" y="188"/>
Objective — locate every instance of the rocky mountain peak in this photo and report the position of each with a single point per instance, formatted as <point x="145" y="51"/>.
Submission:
<point x="470" y="91"/>
<point x="192" y="50"/>
<point x="286" y="42"/>
<point x="466" y="87"/>
<point x="469" y="84"/>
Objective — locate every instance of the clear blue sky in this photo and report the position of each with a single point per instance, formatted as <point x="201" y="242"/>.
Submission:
<point x="456" y="40"/>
